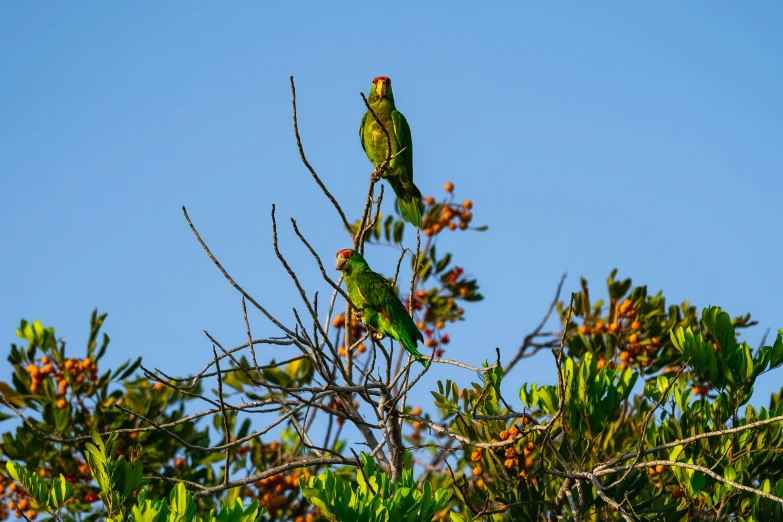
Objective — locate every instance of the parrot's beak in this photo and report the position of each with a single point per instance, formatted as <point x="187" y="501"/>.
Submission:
<point x="382" y="89"/>
<point x="340" y="263"/>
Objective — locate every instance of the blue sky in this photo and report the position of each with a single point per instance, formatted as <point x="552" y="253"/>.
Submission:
<point x="588" y="136"/>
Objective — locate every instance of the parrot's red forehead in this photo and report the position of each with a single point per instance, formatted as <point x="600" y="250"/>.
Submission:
<point x="381" y="79"/>
<point x="345" y="253"/>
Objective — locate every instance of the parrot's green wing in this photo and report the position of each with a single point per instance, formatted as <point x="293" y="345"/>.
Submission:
<point x="403" y="133"/>
<point x="361" y="130"/>
<point x="393" y="319"/>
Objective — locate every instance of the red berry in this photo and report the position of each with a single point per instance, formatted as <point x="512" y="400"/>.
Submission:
<point x="445" y="339"/>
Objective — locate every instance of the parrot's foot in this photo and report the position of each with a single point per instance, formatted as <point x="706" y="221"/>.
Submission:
<point x="379" y="173"/>
<point x="378" y="336"/>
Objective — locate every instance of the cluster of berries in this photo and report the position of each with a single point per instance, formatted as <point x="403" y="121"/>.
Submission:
<point x="79" y="371"/>
<point x="417" y="426"/>
<point x="357" y="332"/>
<point x="338" y="405"/>
<point x="433" y="337"/>
<point x="448" y="215"/>
<point x="273" y="493"/>
<point x="635" y="348"/>
<point x="521" y="457"/>
<point x="19" y="502"/>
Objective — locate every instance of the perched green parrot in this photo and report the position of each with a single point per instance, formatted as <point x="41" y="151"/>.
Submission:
<point x="399" y="173"/>
<point x="380" y="307"/>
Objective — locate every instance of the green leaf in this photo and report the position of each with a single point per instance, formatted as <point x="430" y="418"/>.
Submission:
<point x="698" y="481"/>
<point x="60" y="493"/>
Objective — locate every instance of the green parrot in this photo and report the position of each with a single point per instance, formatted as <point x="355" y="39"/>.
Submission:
<point x="380" y="307"/>
<point x="399" y="173"/>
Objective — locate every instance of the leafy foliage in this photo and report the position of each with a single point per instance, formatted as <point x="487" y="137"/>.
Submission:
<point x="373" y="499"/>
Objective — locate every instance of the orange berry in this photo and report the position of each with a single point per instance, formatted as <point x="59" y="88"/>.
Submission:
<point x="583" y="330"/>
<point x="463" y="291"/>
<point x="45" y="360"/>
<point x="655" y="341"/>
<point x="614" y="327"/>
<point x="504" y="435"/>
<point x="715" y="347"/>
<point x="440" y="325"/>
<point x="622" y="366"/>
<point x="341" y="352"/>
<point x="600" y="364"/>
<point x="31" y="514"/>
<point x="624" y="356"/>
<point x="477" y="471"/>
<point x="529" y="463"/>
<point x="430" y="343"/>
<point x="633" y="338"/>
<point x="599" y="326"/>
<point x="479" y="483"/>
<point x="22" y="504"/>
<point x="416" y="410"/>
<point x="511" y="453"/>
<point x="659" y="468"/>
<point x="460" y="311"/>
<point x="636" y="325"/>
<point x="468" y="204"/>
<point x="436" y="228"/>
<point x="427" y="231"/>
<point x="466" y="217"/>
<point x="513" y="431"/>
<point x="421" y="294"/>
<point x="510" y="463"/>
<point x="158" y="387"/>
<point x="61" y="404"/>
<point x="339" y="321"/>
<point x="32" y="369"/>
<point x="429" y="201"/>
<point x="416" y="425"/>
<point x="523" y="474"/>
<point x="530" y="445"/>
<point x="695" y="390"/>
<point x="463" y="225"/>
<point x="452" y="225"/>
<point x="475" y="456"/>
<point x="361" y="348"/>
<point x="448" y="187"/>
<point x="651" y="471"/>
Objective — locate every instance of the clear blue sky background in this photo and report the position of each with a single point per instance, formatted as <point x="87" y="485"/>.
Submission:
<point x="589" y="137"/>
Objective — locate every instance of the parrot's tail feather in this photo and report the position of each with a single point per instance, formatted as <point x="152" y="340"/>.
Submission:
<point x="410" y="211"/>
<point x="410" y="346"/>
